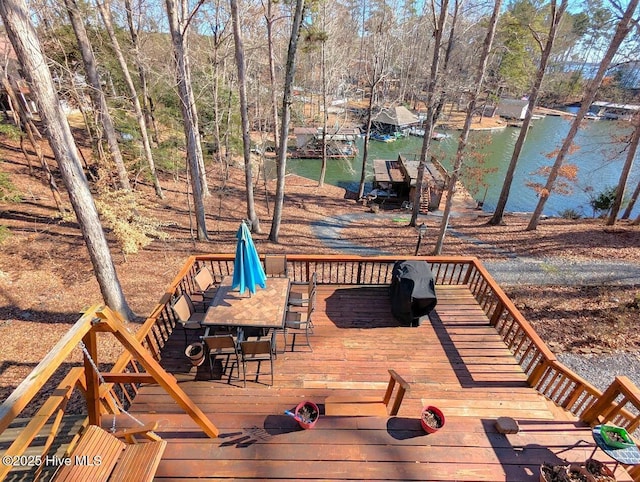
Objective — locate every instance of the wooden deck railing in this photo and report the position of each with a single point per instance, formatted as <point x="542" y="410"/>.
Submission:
<point x="620" y="403"/>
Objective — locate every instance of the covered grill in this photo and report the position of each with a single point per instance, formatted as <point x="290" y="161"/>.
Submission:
<point x="412" y="291"/>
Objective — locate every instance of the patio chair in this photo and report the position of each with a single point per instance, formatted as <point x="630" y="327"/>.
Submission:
<point x="206" y="288"/>
<point x="257" y="351"/>
<point x="275" y="265"/>
<point x="186" y="315"/>
<point x="300" y="323"/>
<point x="222" y="345"/>
<point x="297" y="298"/>
<point x="258" y="334"/>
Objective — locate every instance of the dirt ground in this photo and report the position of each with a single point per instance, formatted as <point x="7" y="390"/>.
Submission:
<point x="46" y="277"/>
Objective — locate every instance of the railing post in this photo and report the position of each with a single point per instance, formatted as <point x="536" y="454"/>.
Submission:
<point x="497" y="313"/>
<point x="537" y="373"/>
<point x="591" y="414"/>
<point x="93" y="383"/>
<point x="470" y="267"/>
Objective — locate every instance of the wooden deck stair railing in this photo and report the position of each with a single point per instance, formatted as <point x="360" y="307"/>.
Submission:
<point x="612" y="407"/>
<point x="100" y="456"/>
<point x="608" y="408"/>
<point x="367" y="406"/>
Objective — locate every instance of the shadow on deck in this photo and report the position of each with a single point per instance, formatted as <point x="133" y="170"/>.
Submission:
<point x="476" y="358"/>
<point x="455" y="360"/>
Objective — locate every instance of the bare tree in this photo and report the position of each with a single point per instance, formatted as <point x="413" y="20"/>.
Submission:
<point x="178" y="24"/>
<point x="464" y="135"/>
<point x="97" y="94"/>
<point x="439" y="24"/>
<point x="290" y="71"/>
<point x="632" y="202"/>
<point x="325" y="112"/>
<point x="270" y="19"/>
<point x="622" y="29"/>
<point x="375" y="74"/>
<point x="23" y="37"/>
<point x="147" y="101"/>
<point x="555" y="15"/>
<point x="105" y="13"/>
<point x="626" y="169"/>
<point x="244" y="117"/>
<point x="24" y="122"/>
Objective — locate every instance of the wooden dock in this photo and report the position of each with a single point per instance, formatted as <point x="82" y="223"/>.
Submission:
<point x="455" y="360"/>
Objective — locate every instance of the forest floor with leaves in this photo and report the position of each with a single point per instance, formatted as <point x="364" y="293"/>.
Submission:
<point x="46" y="277"/>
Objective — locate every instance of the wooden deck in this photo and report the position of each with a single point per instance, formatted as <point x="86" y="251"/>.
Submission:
<point x="455" y="361"/>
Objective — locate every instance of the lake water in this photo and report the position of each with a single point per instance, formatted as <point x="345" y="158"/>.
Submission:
<point x="599" y="158"/>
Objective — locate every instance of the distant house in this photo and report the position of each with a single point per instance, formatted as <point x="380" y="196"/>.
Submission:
<point x="393" y="120"/>
<point x="512" y="108"/>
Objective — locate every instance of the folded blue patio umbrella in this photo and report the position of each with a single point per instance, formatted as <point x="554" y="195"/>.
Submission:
<point x="247" y="267"/>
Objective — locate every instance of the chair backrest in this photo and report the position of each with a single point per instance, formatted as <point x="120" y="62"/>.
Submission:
<point x="217" y="342"/>
<point x="313" y="283"/>
<point x="311" y="306"/>
<point x="275" y="265"/>
<point x="203" y="279"/>
<point x="183" y="308"/>
<point x="259" y="347"/>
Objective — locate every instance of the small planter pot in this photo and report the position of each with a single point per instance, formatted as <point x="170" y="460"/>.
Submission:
<point x="432" y="419"/>
<point x="195" y="353"/>
<point x="600" y="471"/>
<point x="307" y="414"/>
<point x="553" y="473"/>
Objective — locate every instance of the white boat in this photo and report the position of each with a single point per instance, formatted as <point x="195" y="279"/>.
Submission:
<point x="436" y="136"/>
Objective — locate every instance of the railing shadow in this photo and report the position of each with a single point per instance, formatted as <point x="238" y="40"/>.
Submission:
<point x="460" y="368"/>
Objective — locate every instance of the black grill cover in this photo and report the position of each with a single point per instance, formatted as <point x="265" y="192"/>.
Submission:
<point x="412" y="291"/>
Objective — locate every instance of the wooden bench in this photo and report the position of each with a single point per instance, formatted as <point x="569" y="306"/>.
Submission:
<point x="353" y="405"/>
<point x="102" y="456"/>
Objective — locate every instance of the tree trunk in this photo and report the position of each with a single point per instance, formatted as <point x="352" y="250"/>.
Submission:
<point x="632" y="202"/>
<point x="622" y="29"/>
<point x="25" y="124"/>
<point x="105" y="13"/>
<point x="272" y="73"/>
<point x="24" y="39"/>
<point x="147" y="101"/>
<point x="365" y="147"/>
<point x="325" y="114"/>
<point x="462" y="144"/>
<point x="290" y="71"/>
<point x="244" y="117"/>
<point x="428" y="128"/>
<point x="626" y="169"/>
<point x="194" y="151"/>
<point x="97" y="94"/>
<point x="219" y="77"/>
<point x="556" y="17"/>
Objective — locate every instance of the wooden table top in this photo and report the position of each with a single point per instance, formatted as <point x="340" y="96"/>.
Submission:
<point x="266" y="308"/>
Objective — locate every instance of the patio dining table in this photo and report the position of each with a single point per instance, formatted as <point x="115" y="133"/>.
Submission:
<point x="266" y="308"/>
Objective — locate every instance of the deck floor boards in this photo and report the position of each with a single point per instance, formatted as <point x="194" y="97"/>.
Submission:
<point x="454" y="360"/>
